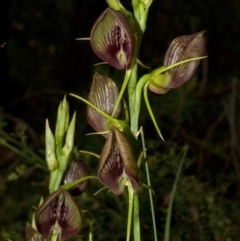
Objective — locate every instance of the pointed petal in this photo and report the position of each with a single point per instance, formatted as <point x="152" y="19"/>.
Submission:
<point x="77" y="169"/>
<point x="112" y="39"/>
<point x="103" y="94"/>
<point x="59" y="214"/>
<point x="181" y="48"/>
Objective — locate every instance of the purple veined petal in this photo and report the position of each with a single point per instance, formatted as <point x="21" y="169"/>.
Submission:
<point x="182" y="48"/>
<point x="76" y="170"/>
<point x="103" y="94"/>
<point x="117" y="164"/>
<point x="59" y="213"/>
<point x="112" y="39"/>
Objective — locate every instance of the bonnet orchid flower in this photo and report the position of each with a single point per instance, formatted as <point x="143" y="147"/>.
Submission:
<point x="112" y="39"/>
<point x="77" y="169"/>
<point x="117" y="164"/>
<point x="59" y="215"/>
<point x="103" y="94"/>
<point x="180" y="63"/>
<point x="182" y="48"/>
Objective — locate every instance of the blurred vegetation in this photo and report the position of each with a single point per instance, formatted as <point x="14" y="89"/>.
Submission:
<point x="42" y="61"/>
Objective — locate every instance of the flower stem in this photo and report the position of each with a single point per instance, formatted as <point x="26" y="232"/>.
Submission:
<point x="130" y="211"/>
<point x="169" y="211"/>
<point x="149" y="191"/>
<point x="136" y="220"/>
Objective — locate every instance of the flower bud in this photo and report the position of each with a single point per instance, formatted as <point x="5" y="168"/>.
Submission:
<point x="146" y="3"/>
<point x="58" y="215"/>
<point x="62" y="123"/>
<point x="182" y="48"/>
<point x="117" y="164"/>
<point x="77" y="169"/>
<point x="113" y="40"/>
<point x="51" y="158"/>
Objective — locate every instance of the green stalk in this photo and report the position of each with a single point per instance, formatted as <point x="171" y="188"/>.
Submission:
<point x="134" y="108"/>
<point x="149" y="191"/>
<point x="136" y="220"/>
<point x="130" y="211"/>
<point x="169" y="211"/>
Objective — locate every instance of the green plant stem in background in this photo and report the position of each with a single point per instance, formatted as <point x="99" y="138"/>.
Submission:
<point x="149" y="184"/>
<point x="21" y="149"/>
<point x="169" y="211"/>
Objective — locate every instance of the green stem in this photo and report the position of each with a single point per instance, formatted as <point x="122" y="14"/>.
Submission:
<point x="134" y="113"/>
<point x="169" y="211"/>
<point x="136" y="220"/>
<point x="149" y="191"/>
<point x="130" y="211"/>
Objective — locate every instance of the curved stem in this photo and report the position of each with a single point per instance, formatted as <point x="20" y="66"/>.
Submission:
<point x="150" y="110"/>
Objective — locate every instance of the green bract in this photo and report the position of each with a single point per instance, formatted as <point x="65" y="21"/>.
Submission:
<point x="113" y="40"/>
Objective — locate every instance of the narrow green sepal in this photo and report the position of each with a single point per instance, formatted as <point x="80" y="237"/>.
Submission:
<point x="150" y="111"/>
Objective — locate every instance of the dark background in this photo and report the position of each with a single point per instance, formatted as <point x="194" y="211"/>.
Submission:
<point x="41" y="62"/>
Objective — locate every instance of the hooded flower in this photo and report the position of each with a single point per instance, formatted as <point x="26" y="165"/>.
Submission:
<point x="103" y="94"/>
<point x="77" y="169"/>
<point x="182" y="48"/>
<point x="117" y="164"/>
<point x="59" y="214"/>
<point x="112" y="39"/>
